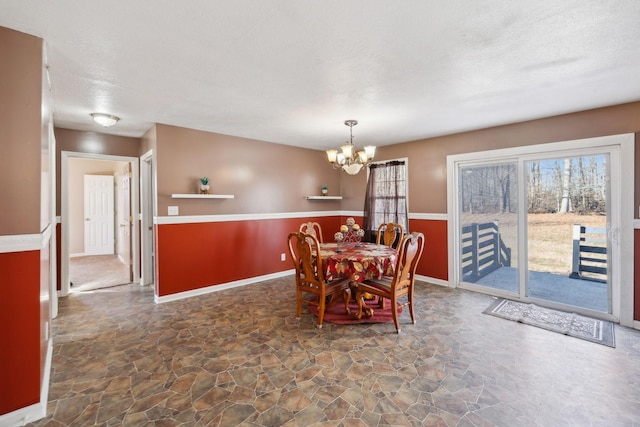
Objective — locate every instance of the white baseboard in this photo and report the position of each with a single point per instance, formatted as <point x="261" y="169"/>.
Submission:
<point x="243" y="282"/>
<point x="23" y="416"/>
<point x="432" y="280"/>
<point x="37" y="411"/>
<point x="221" y="287"/>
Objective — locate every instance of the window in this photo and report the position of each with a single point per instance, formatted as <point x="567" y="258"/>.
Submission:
<point x="386" y="197"/>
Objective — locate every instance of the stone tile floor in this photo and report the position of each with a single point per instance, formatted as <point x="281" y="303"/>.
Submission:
<point x="240" y="357"/>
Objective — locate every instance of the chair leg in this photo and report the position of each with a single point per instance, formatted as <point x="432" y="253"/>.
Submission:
<point x="346" y="295"/>
<point x="381" y="302"/>
<point x="362" y="306"/>
<point x="360" y="301"/>
<point x="394" y="312"/>
<point x="410" y="299"/>
<point x="330" y="299"/>
<point x="299" y="298"/>
<point x="321" y="306"/>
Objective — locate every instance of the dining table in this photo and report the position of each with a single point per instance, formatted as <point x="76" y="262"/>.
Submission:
<point x="357" y="261"/>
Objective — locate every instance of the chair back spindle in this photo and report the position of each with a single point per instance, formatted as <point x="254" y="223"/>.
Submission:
<point x="389" y="234"/>
<point x="312" y="228"/>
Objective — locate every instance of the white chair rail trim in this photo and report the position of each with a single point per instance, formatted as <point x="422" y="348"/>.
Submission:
<point x="248" y="217"/>
<point x="25" y="242"/>
<point x="187" y="219"/>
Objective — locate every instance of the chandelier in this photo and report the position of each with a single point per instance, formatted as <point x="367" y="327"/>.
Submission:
<point x="350" y="160"/>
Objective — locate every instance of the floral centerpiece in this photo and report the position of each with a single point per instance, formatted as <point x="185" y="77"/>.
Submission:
<point x="349" y="232"/>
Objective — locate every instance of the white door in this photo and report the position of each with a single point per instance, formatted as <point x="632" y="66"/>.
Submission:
<point x="98" y="215"/>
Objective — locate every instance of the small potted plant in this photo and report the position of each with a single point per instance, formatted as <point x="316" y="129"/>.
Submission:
<point x="204" y="185"/>
<point x="325" y="190"/>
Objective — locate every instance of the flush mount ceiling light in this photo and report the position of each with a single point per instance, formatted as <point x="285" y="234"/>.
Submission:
<point x="106" y="120"/>
<point x="347" y="158"/>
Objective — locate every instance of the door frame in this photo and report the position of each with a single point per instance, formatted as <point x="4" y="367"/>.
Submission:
<point x="148" y="212"/>
<point x="53" y="243"/>
<point x="64" y="212"/>
<point x="622" y="257"/>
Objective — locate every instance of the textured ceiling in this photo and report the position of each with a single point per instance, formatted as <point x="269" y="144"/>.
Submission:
<point x="293" y="71"/>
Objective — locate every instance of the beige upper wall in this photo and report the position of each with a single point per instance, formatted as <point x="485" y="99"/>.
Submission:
<point x="428" y="157"/>
<point x="263" y="183"/>
<point x="20" y="132"/>
<point x="46" y="148"/>
<point x="264" y="177"/>
<point x="148" y="141"/>
<point x="92" y="143"/>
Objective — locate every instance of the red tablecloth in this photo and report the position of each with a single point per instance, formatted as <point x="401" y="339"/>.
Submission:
<point x="357" y="261"/>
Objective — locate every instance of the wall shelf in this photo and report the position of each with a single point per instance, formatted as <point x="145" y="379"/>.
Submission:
<point x="323" y="197"/>
<point x="202" y="196"/>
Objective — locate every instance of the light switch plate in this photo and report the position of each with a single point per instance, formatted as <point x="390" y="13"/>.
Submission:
<point x="173" y="210"/>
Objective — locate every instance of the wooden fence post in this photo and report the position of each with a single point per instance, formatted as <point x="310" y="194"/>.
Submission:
<point x="575" y="264"/>
<point x="496" y="242"/>
<point x="474" y="244"/>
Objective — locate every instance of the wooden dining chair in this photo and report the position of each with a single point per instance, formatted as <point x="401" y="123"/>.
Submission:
<point x="389" y="234"/>
<point x="312" y="228"/>
<point x="305" y="249"/>
<point x="402" y="282"/>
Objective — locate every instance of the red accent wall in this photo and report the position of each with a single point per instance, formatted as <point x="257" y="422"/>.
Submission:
<point x="20" y="333"/>
<point x="196" y="255"/>
<point x="434" y="260"/>
<point x="44" y="299"/>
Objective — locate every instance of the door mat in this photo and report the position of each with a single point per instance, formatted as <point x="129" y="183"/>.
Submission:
<point x="574" y="325"/>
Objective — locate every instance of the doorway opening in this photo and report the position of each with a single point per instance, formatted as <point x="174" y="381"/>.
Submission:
<point x="99" y="236"/>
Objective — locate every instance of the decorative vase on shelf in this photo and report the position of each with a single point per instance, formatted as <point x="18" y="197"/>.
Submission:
<point x="204" y="185"/>
<point x="325" y="190"/>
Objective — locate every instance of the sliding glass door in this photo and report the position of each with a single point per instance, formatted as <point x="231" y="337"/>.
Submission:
<point x="488" y="217"/>
<point x="567" y="248"/>
<point x="540" y="226"/>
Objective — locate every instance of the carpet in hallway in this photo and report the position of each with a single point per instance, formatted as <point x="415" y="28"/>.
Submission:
<point x="97" y="271"/>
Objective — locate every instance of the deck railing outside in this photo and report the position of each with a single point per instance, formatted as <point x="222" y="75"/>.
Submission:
<point x="589" y="253"/>
<point x="483" y="250"/>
